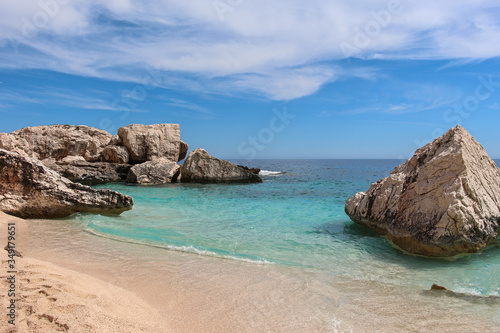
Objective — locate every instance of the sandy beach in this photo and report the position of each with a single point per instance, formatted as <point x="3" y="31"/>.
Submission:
<point x="70" y="280"/>
<point x="50" y="298"/>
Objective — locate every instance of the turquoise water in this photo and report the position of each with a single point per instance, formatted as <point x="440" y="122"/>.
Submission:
<point x="295" y="218"/>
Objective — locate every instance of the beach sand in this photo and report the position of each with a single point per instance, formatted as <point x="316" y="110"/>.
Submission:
<point x="50" y="298"/>
<point x="112" y="286"/>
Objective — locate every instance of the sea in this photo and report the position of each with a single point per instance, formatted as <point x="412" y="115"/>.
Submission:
<point x="315" y="269"/>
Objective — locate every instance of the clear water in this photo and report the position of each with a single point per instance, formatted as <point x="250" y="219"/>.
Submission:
<point x="295" y="218"/>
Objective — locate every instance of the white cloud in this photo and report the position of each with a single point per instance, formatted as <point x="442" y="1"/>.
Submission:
<point x="272" y="48"/>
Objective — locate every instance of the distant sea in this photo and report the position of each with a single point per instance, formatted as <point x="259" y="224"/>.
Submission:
<point x="294" y="218"/>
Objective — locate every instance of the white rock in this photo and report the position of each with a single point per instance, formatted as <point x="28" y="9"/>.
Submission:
<point x="444" y="201"/>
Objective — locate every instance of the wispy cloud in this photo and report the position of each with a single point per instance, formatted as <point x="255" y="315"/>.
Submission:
<point x="494" y="106"/>
<point x="63" y="97"/>
<point x="179" y="103"/>
<point x="14" y="97"/>
<point x="410" y="98"/>
<point x="189" y="109"/>
<point x="413" y="123"/>
<point x="276" y="49"/>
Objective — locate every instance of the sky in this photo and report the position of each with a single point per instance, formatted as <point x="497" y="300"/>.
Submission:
<point x="258" y="79"/>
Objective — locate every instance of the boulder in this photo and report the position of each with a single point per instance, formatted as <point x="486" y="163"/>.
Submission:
<point x="444" y="201"/>
<point x="150" y="142"/>
<point x="77" y="169"/>
<point x="438" y="287"/>
<point x="57" y="142"/>
<point x="159" y="171"/>
<point x="200" y="167"/>
<point x="115" y="154"/>
<point x="28" y="189"/>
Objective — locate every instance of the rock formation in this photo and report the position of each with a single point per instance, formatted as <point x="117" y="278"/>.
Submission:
<point x="57" y="142"/>
<point x="159" y="171"/>
<point x="91" y="156"/>
<point x="200" y="167"/>
<point x="444" y="201"/>
<point x="28" y="189"/>
<point x="149" y="142"/>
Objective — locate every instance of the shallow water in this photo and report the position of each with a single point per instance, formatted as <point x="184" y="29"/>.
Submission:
<point x="281" y="256"/>
<point x="294" y="218"/>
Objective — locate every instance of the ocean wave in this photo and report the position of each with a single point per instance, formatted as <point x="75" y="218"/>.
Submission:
<point x="186" y="249"/>
<point x="270" y="173"/>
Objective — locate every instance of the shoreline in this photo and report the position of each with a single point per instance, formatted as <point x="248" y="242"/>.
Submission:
<point x="45" y="297"/>
<point x="193" y="293"/>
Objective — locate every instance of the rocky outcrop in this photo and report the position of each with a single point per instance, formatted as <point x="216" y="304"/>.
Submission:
<point x="159" y="171"/>
<point x="200" y="167"/>
<point x="444" y="201"/>
<point x="28" y="189"/>
<point x="149" y="142"/>
<point x="91" y="156"/>
<point x="77" y="169"/>
<point x="57" y="142"/>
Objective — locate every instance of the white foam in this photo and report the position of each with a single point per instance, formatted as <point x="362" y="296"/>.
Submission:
<point x="185" y="249"/>
<point x="269" y="173"/>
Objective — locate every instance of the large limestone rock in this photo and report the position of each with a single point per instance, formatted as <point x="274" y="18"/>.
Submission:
<point x="57" y="142"/>
<point x="28" y="189"/>
<point x="200" y="167"/>
<point x="150" y="142"/>
<point x="91" y="156"/>
<point x="159" y="171"/>
<point x="444" y="201"/>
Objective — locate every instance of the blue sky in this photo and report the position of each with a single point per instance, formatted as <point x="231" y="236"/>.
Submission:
<point x="258" y="79"/>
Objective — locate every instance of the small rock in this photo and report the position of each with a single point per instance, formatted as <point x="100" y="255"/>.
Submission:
<point x="438" y="287"/>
